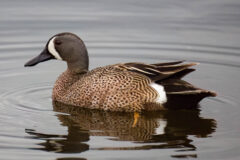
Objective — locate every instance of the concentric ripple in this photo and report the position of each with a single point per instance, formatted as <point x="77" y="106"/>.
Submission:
<point x="28" y="97"/>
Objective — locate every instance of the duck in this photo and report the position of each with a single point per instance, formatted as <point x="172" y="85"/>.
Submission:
<point x="125" y="87"/>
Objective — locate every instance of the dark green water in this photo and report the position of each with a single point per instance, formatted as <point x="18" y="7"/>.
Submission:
<point x="120" y="31"/>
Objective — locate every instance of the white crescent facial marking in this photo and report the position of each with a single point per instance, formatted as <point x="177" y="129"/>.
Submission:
<point x="52" y="50"/>
<point x="162" y="97"/>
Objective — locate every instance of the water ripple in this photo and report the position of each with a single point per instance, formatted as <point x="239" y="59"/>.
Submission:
<point x="24" y="98"/>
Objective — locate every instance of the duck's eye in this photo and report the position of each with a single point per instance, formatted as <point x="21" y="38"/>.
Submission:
<point x="58" y="42"/>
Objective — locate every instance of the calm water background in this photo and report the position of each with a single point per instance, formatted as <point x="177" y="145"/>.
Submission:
<point x="120" y="31"/>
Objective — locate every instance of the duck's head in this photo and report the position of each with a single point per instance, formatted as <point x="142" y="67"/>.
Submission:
<point x="67" y="47"/>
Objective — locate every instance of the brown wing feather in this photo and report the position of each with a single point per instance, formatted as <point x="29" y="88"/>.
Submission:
<point x="167" y="63"/>
<point x="158" y="71"/>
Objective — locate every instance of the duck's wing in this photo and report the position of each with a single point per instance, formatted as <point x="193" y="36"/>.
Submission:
<point x="160" y="71"/>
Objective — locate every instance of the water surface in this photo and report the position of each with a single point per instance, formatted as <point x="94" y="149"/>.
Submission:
<point x="31" y="127"/>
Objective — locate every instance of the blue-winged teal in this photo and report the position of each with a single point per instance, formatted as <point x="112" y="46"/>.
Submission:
<point x="119" y="87"/>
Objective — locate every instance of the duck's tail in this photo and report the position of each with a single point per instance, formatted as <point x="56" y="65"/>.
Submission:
<point x="183" y="95"/>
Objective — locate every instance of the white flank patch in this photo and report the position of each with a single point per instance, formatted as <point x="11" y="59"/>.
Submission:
<point x="162" y="97"/>
<point x="52" y="50"/>
<point x="161" y="127"/>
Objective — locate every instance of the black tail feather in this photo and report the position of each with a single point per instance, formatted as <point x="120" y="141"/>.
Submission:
<point x="185" y="101"/>
<point x="183" y="95"/>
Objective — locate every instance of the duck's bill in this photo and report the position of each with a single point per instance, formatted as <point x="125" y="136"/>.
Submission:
<point x="44" y="56"/>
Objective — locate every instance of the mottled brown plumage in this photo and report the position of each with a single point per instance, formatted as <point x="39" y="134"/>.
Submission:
<point x="120" y="87"/>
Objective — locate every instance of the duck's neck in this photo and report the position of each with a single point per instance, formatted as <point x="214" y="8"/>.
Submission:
<point x="80" y="64"/>
<point x="77" y="68"/>
<point x="64" y="83"/>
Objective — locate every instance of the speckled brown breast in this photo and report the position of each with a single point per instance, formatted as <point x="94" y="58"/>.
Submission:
<point x="108" y="88"/>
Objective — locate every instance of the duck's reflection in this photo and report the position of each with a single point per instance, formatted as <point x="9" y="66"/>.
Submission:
<point x="155" y="130"/>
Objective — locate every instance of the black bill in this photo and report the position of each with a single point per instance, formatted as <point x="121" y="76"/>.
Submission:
<point x="44" y="56"/>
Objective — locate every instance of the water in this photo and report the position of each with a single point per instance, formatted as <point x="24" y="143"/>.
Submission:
<point x="31" y="127"/>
